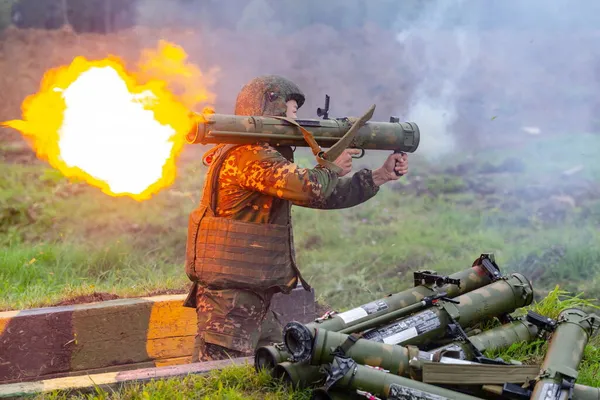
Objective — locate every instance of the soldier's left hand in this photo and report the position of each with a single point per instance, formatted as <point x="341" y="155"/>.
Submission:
<point x="344" y="161"/>
<point x="395" y="162"/>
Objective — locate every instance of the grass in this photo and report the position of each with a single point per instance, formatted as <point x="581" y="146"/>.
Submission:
<point x="61" y="239"/>
<point x="536" y="207"/>
<point x="231" y="383"/>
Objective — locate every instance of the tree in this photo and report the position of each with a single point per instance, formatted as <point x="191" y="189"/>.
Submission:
<point x="6" y="12"/>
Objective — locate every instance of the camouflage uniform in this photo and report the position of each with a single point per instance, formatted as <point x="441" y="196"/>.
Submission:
<point x="256" y="186"/>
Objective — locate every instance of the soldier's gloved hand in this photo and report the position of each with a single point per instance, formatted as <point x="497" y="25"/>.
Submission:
<point x="344" y="161"/>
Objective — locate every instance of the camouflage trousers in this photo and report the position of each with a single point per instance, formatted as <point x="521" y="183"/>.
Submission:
<point x="233" y="323"/>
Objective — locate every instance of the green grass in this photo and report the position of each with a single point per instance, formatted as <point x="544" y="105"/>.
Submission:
<point x="61" y="239"/>
<point x="231" y="383"/>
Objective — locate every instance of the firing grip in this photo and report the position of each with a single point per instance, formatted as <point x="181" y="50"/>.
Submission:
<point x="396" y="119"/>
<point x="396" y="172"/>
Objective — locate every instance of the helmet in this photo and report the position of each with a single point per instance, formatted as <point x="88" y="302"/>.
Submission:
<point x="267" y="95"/>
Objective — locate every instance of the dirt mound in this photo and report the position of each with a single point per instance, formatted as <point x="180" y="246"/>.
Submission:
<point x="87" y="298"/>
<point x="104" y="296"/>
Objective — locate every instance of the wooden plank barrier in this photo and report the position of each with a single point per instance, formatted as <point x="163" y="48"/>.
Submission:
<point x="113" y="335"/>
<point x="106" y="380"/>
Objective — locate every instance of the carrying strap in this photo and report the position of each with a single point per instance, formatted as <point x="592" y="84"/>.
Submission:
<point x="477" y="374"/>
<point x="323" y="158"/>
<point x="342" y="349"/>
<point x="314" y="146"/>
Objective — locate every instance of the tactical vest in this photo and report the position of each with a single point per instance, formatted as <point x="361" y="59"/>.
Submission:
<point x="223" y="253"/>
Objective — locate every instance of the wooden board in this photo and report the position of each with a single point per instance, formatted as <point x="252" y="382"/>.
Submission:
<point x="477" y="374"/>
<point x="156" y="330"/>
<point x="113" y="379"/>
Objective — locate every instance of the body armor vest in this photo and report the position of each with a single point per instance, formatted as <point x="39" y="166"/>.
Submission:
<point x="223" y="253"/>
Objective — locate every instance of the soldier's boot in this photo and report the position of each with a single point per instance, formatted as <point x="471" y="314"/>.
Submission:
<point x="216" y="352"/>
<point x="211" y="352"/>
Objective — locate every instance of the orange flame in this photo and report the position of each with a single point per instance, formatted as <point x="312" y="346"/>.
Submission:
<point x="117" y="130"/>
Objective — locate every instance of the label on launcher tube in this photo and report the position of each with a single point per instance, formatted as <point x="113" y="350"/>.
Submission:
<point x="405" y="329"/>
<point x="363" y="311"/>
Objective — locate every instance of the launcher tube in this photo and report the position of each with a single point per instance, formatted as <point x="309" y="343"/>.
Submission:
<point x="238" y="129"/>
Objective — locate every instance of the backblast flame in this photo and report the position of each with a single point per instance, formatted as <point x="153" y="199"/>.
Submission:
<point x="114" y="129"/>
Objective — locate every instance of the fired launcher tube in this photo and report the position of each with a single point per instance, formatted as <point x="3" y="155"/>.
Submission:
<point x="298" y="375"/>
<point x="238" y="129"/>
<point x="582" y="392"/>
<point x="305" y="375"/>
<point x="267" y="357"/>
<point x="496" y="338"/>
<point x="565" y="351"/>
<point x="385" y="385"/>
<point x="382" y="319"/>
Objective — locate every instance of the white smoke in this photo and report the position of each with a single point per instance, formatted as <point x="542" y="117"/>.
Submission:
<point x="441" y="68"/>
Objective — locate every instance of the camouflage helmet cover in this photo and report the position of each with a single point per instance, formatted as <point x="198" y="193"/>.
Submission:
<point x="267" y="95"/>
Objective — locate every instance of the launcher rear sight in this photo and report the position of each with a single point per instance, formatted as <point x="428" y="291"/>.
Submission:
<point x="428" y="278"/>
<point x="544" y="323"/>
<point x="324" y="112"/>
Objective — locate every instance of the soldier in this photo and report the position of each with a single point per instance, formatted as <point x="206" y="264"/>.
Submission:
<point x="240" y="248"/>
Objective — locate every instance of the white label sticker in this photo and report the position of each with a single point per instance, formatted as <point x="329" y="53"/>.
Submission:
<point x="401" y="336"/>
<point x="353" y="315"/>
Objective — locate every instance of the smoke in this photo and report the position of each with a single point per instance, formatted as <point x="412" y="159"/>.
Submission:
<point x="494" y="70"/>
<point x="442" y="69"/>
<point x="470" y="73"/>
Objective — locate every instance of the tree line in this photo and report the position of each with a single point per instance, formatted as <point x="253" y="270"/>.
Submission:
<point x="280" y="16"/>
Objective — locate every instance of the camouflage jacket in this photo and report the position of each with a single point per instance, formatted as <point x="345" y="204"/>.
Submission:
<point x="256" y="181"/>
<point x="246" y="242"/>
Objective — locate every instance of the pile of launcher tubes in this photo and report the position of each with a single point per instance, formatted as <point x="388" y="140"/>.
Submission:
<point x="428" y="342"/>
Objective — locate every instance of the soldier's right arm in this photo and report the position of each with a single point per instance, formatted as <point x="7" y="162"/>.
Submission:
<point x="263" y="169"/>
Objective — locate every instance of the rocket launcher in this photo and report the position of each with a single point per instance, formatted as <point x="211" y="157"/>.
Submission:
<point x="503" y="296"/>
<point x="520" y="330"/>
<point x="337" y="134"/>
<point x="346" y="373"/>
<point x="559" y="369"/>
<point x="427" y="286"/>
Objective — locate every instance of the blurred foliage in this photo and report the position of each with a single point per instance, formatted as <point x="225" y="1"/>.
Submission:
<point x="100" y="16"/>
<point x="103" y="16"/>
<point x="5" y="12"/>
